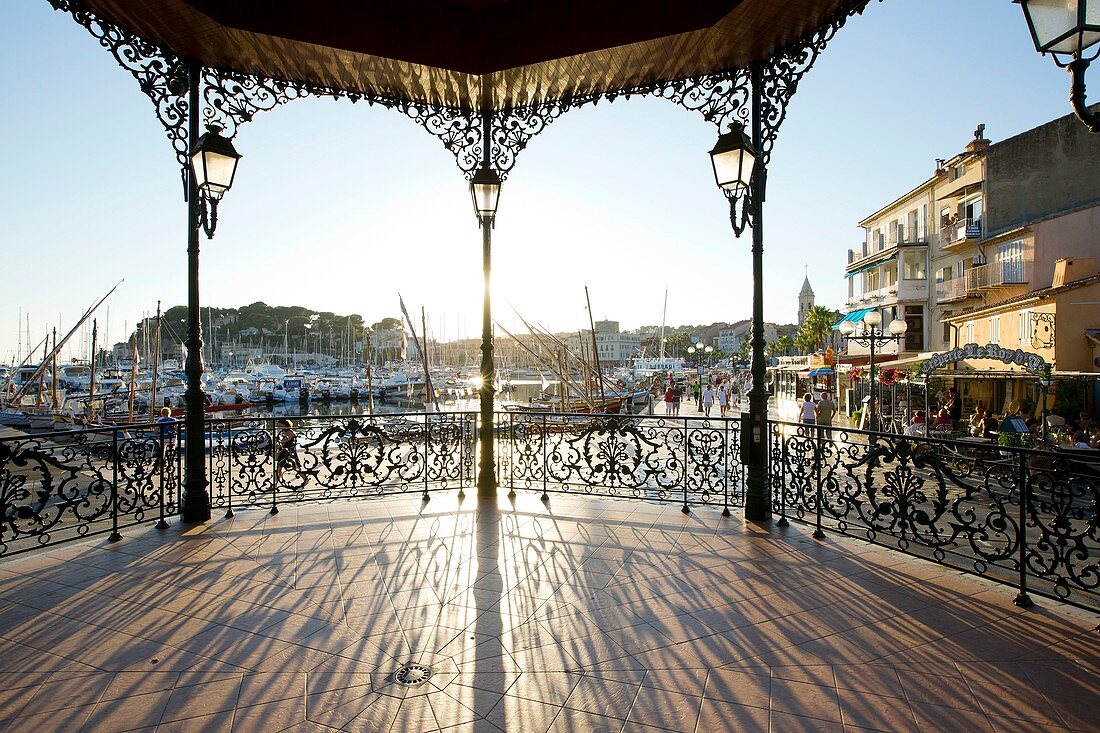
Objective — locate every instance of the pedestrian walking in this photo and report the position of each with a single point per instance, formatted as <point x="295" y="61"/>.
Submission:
<point x="723" y="399"/>
<point x="808" y="410"/>
<point x="825" y="410"/>
<point x="286" y="450"/>
<point x="708" y="400"/>
<point x="677" y="396"/>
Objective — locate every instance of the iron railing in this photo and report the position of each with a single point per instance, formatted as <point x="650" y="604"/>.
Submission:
<point x="686" y="460"/>
<point x="338" y="457"/>
<point x="67" y="485"/>
<point x="1019" y="516"/>
<point x="1015" y="515"/>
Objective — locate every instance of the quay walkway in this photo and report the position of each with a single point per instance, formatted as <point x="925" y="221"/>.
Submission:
<point x="580" y="614"/>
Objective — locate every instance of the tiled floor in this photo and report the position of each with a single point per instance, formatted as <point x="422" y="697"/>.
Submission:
<point x="594" y="615"/>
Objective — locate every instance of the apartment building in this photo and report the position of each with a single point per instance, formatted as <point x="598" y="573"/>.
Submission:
<point x="614" y="347"/>
<point x="731" y="339"/>
<point x="985" y="228"/>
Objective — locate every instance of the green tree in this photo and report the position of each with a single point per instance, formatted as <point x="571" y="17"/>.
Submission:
<point x="814" y="331"/>
<point x="782" y="346"/>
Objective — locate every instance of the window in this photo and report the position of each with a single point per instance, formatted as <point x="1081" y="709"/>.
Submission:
<point x="913" y="225"/>
<point x="913" y="266"/>
<point x="1010" y="260"/>
<point x="1027" y="327"/>
<point x="871" y="281"/>
<point x="947" y="333"/>
<point x="943" y="274"/>
<point x="995" y="330"/>
<point x="914" y="332"/>
<point x="891" y="272"/>
<point x="970" y="332"/>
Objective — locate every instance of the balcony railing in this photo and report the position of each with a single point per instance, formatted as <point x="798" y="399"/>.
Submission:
<point x="1019" y="516"/>
<point x="961" y="230"/>
<point x="998" y="274"/>
<point x="952" y="289"/>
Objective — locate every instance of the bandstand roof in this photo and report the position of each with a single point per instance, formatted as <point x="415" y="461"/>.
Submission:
<point x="441" y="51"/>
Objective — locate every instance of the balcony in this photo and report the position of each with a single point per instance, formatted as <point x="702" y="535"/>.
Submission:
<point x="963" y="230"/>
<point x="953" y="289"/>
<point x="912" y="289"/>
<point x="998" y="275"/>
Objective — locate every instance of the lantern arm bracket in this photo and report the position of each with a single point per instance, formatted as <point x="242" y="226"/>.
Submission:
<point x="206" y="213"/>
<point x="1077" y="95"/>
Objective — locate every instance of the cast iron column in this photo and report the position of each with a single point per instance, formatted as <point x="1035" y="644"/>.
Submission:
<point x="872" y="339"/>
<point x="757" y="496"/>
<point x="487" y="476"/>
<point x="196" y="501"/>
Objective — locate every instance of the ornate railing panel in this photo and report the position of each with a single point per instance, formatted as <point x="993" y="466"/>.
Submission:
<point x="1020" y="516"/>
<point x="647" y="457"/>
<point x="66" y="485"/>
<point x="337" y="457"/>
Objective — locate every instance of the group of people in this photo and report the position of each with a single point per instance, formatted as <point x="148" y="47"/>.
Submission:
<point x="722" y="390"/>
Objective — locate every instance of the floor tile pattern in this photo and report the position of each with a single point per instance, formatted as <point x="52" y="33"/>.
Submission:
<point x="583" y="615"/>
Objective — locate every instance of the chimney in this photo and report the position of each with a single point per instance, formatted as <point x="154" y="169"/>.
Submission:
<point x="979" y="142"/>
<point x="940" y="170"/>
<point x="1067" y="270"/>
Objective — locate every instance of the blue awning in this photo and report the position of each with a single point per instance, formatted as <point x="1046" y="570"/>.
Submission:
<point x="854" y="317"/>
<point x="821" y="372"/>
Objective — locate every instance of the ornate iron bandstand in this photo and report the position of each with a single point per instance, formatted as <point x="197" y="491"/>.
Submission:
<point x="483" y="78"/>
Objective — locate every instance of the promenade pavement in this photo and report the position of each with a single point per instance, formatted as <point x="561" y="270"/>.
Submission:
<point x="585" y="614"/>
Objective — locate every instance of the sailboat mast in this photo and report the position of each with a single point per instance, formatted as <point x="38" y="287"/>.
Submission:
<point x="156" y="366"/>
<point x="53" y="377"/>
<point x="595" y="345"/>
<point x="90" y="412"/>
<point x="664" y="315"/>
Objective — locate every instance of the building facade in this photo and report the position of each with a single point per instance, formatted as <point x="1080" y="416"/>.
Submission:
<point x="614" y="347"/>
<point x="985" y="228"/>
<point x="994" y="247"/>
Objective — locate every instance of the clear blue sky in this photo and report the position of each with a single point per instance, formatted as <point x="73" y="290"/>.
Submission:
<point x="338" y="206"/>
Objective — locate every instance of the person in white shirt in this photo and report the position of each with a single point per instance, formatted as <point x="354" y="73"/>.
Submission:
<point x="808" y="410"/>
<point x="708" y="400"/>
<point x="723" y="399"/>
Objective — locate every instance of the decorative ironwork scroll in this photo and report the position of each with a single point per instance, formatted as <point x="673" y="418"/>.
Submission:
<point x="1042" y="330"/>
<point x="161" y="74"/>
<point x="232" y="99"/>
<point x="1000" y="512"/>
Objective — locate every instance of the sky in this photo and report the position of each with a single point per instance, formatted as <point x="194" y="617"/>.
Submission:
<point x="339" y="207"/>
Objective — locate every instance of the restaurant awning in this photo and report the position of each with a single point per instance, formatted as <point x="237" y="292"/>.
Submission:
<point x="821" y="372"/>
<point x="854" y="317"/>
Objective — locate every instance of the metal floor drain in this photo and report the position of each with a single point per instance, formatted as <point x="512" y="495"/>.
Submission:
<point x="412" y="675"/>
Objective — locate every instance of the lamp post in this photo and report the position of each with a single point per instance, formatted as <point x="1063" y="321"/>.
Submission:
<point x="693" y="350"/>
<point x="734" y="159"/>
<point x="1065" y="29"/>
<point x="1045" y="380"/>
<point x="872" y="338"/>
<point x="210" y="175"/>
<point x="485" y="192"/>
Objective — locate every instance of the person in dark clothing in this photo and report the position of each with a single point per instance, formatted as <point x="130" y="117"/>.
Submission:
<point x="954" y="406"/>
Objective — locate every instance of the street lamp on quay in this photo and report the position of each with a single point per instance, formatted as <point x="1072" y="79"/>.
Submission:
<point x="701" y="350"/>
<point x="485" y="193"/>
<point x="1065" y="29"/>
<point x="734" y="159"/>
<point x="213" y="166"/>
<point x="873" y="337"/>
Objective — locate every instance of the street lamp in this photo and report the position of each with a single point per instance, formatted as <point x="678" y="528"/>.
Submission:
<point x="485" y="193"/>
<point x="1065" y="29"/>
<point x="213" y="164"/>
<point x="694" y="349"/>
<point x="872" y="338"/>
<point x="740" y="176"/>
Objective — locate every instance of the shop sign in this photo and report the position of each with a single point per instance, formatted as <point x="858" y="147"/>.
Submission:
<point x="1030" y="362"/>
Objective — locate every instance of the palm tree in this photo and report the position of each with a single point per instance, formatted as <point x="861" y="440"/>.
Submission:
<point x="814" y="331"/>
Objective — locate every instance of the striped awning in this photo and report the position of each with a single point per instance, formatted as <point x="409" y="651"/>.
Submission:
<point x="871" y="265"/>
<point x="854" y="317"/>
